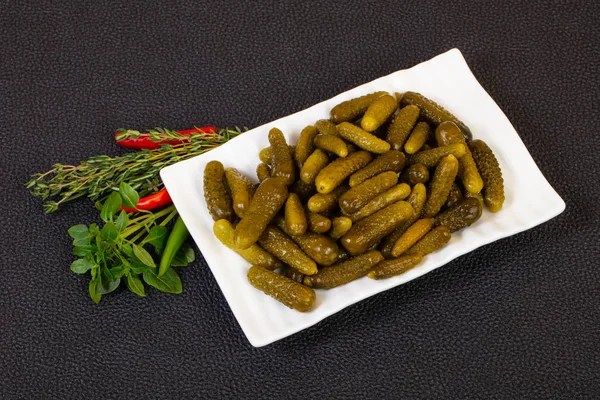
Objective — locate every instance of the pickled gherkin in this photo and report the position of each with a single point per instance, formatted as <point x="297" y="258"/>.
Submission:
<point x="401" y="126"/>
<point x="431" y="158"/>
<point x="360" y="195"/>
<point x="263" y="171"/>
<point x="305" y="146"/>
<point x="217" y="197"/>
<point x="461" y="215"/>
<point x="332" y="144"/>
<point x="242" y="190"/>
<point x="318" y="223"/>
<point x="284" y="248"/>
<point x="493" y="192"/>
<point x="303" y="190"/>
<point x="336" y="172"/>
<point x="267" y="201"/>
<point x="326" y="127"/>
<point x="454" y="196"/>
<point x="392" y="195"/>
<point x="266" y="154"/>
<point x="362" y="138"/>
<point x="283" y="165"/>
<point x="285" y="290"/>
<point x="321" y="203"/>
<point x="392" y="160"/>
<point x="433" y="241"/>
<point x="322" y="249"/>
<point x="442" y="180"/>
<point x="378" y="112"/>
<point x="477" y="196"/>
<point x="292" y="273"/>
<point x="339" y="227"/>
<point x="412" y="235"/>
<point x="417" y="138"/>
<point x="295" y="218"/>
<point x="388" y="268"/>
<point x="352" y="109"/>
<point x="255" y="255"/>
<point x="344" y="272"/>
<point x="313" y="165"/>
<point x="415" y="173"/>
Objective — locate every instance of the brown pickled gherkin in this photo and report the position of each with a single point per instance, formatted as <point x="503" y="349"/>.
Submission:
<point x="360" y="195"/>
<point x="255" y="255"/>
<point x="263" y="171"/>
<point x="303" y="190"/>
<point x="493" y="192"/>
<point x="433" y="112"/>
<point x="313" y="165"/>
<point x="217" y="197"/>
<point x="322" y="249"/>
<point x="392" y="195"/>
<point x="305" y="146"/>
<point x="477" y="196"/>
<point x="267" y="201"/>
<point x="415" y="173"/>
<point x="378" y="112"/>
<point x="430" y="158"/>
<point x="352" y="109"/>
<point x="332" y="144"/>
<point x="326" y="202"/>
<point x="362" y="138"/>
<point x="448" y="133"/>
<point x="285" y="290"/>
<point x="417" y="138"/>
<point x="392" y="160"/>
<point x="442" y="180"/>
<point x="326" y="127"/>
<point x="292" y="273"/>
<point x="283" y="165"/>
<point x="295" y="217"/>
<point x="344" y="272"/>
<point x="242" y="190"/>
<point x="318" y="223"/>
<point x="412" y="235"/>
<point x="388" y="268"/>
<point x="266" y="154"/>
<point x="433" y="241"/>
<point x="336" y="172"/>
<point x="461" y="215"/>
<point x="283" y="247"/>
<point x="370" y="230"/>
<point x="401" y="126"/>
<point x="454" y="196"/>
<point x="339" y="227"/>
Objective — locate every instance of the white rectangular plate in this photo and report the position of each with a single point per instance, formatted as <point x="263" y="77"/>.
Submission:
<point x="530" y="200"/>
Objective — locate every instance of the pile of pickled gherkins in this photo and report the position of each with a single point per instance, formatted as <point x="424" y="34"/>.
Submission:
<point x="370" y="191"/>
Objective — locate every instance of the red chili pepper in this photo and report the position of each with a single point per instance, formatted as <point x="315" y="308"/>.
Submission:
<point x="156" y="200"/>
<point x="144" y="141"/>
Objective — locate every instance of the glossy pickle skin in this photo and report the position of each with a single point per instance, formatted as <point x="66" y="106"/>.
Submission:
<point x="217" y="197"/>
<point x="432" y="157"/>
<point x="412" y="235"/>
<point x="305" y="145"/>
<point x="266" y="154"/>
<point x="344" y="272"/>
<point x="318" y="223"/>
<point x="461" y="215"/>
<point x="303" y="190"/>
<point x="284" y="248"/>
<point x="242" y="190"/>
<point x="388" y="268"/>
<point x="415" y="173"/>
<point x="401" y="126"/>
<point x="326" y="202"/>
<point x="295" y="217"/>
<point x="363" y="139"/>
<point x="322" y="249"/>
<point x="392" y="195"/>
<point x="267" y="201"/>
<point x="263" y="171"/>
<point x="360" y="195"/>
<point x="285" y="290"/>
<point x="392" y="160"/>
<point x="326" y="127"/>
<point x="417" y="138"/>
<point x="339" y="227"/>
<point x="442" y="181"/>
<point x="332" y="175"/>
<point x="487" y="163"/>
<point x="433" y="241"/>
<point x="332" y="144"/>
<point x="283" y="165"/>
<point x="352" y="109"/>
<point x="455" y="196"/>
<point x="378" y="112"/>
<point x="313" y="166"/>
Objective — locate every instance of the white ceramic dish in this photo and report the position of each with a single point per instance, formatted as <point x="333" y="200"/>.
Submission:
<point x="530" y="200"/>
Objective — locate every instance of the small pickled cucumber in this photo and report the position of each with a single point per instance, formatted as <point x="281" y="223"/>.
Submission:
<point x="339" y="227"/>
<point x="415" y="173"/>
<point x="412" y="235"/>
<point x="322" y="249"/>
<point x="344" y="272"/>
<point x="332" y="144"/>
<point x="343" y="255"/>
<point x="430" y="158"/>
<point x="255" y="255"/>
<point x="401" y="126"/>
<point x="493" y="192"/>
<point x="295" y="218"/>
<point x="285" y="290"/>
<point x="388" y="268"/>
<point x="433" y="241"/>
<point x="336" y="172"/>
<point x="392" y="160"/>
<point x="303" y="190"/>
<point x="263" y="171"/>
<point x="266" y="154"/>
<point x="217" y="197"/>
<point x="447" y="133"/>
<point x="360" y="195"/>
<point x="362" y="138"/>
<point x="454" y="196"/>
<point x="433" y="112"/>
<point x="242" y="190"/>
<point x="267" y="201"/>
<point x="460" y="216"/>
<point x="283" y="164"/>
<point x="442" y="180"/>
<point x="318" y="223"/>
<point x="378" y="112"/>
<point x="416" y="199"/>
<point x="293" y="274"/>
<point x="352" y="109"/>
<point x="326" y="202"/>
<point x="417" y="138"/>
<point x="305" y="146"/>
<point x="477" y="196"/>
<point x="394" y="194"/>
<point x="373" y="228"/>
<point x="283" y="247"/>
<point x="326" y="127"/>
<point x="313" y="165"/>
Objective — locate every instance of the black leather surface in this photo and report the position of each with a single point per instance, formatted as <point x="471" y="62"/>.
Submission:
<point x="519" y="318"/>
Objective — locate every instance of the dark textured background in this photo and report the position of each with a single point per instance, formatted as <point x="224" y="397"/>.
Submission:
<point x="519" y="318"/>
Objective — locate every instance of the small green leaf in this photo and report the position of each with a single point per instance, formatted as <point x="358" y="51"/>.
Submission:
<point x="117" y="272"/>
<point x="143" y="255"/>
<point x="93" y="291"/>
<point x="169" y="282"/>
<point x="110" y="207"/>
<point x="81" y="265"/>
<point x="94" y="231"/>
<point x="109" y="231"/>
<point x="129" y="195"/>
<point x="122" y="221"/>
<point x="184" y="256"/>
<point x="135" y="285"/>
<point x="78" y="231"/>
<point x="157" y="237"/>
<point x="85" y="250"/>
<point x="139" y="268"/>
<point x="82" y="241"/>
<point x="108" y="287"/>
<point x="128" y="250"/>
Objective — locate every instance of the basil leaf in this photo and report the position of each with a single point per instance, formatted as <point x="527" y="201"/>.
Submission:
<point x="110" y="207"/>
<point x="109" y="287"/>
<point x="117" y="272"/>
<point x="135" y="285"/>
<point x="128" y="250"/>
<point x="81" y="265"/>
<point x="129" y="195"/>
<point x="82" y="241"/>
<point x="169" y="282"/>
<point x="143" y="255"/>
<point x="184" y="256"/>
<point x="122" y="221"/>
<point x="85" y="250"/>
<point x="94" y="231"/>
<point x="93" y="291"/>
<point x="157" y="237"/>
<point x="109" y="231"/>
<point x="138" y="267"/>
<point x="78" y="231"/>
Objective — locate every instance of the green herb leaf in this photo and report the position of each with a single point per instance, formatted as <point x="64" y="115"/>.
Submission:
<point x="78" y="231"/>
<point x="143" y="255"/>
<point x="139" y="268"/>
<point x="93" y="291"/>
<point x="94" y="231"/>
<point x="108" y="287"/>
<point x="129" y="195"/>
<point x="110" y="207"/>
<point x="82" y="251"/>
<point x="109" y="231"/>
<point x="81" y="265"/>
<point x="135" y="285"/>
<point x="168" y="283"/>
<point x="82" y="241"/>
<point x="184" y="256"/>
<point x="122" y="221"/>
<point x="117" y="272"/>
<point x="128" y="250"/>
<point x="157" y="237"/>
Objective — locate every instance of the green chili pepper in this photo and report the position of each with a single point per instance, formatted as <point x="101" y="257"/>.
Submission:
<point x="178" y="236"/>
